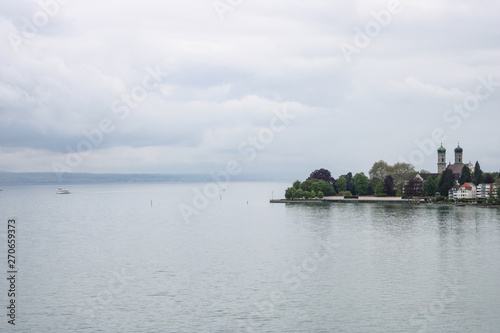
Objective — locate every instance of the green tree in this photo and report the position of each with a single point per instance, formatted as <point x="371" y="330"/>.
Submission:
<point x="320" y="195"/>
<point x="299" y="193"/>
<point x="296" y="184"/>
<point x="324" y="187"/>
<point x="307" y="185"/>
<point x="446" y="182"/>
<point x="379" y="189"/>
<point x="378" y="172"/>
<point x="307" y="195"/>
<point x="478" y="174"/>
<point x="290" y="193"/>
<point x="465" y="177"/>
<point x="341" y="184"/>
<point x="402" y="173"/>
<point x="430" y="187"/>
<point x="361" y="184"/>
<point x="313" y="194"/>
<point x="438" y="179"/>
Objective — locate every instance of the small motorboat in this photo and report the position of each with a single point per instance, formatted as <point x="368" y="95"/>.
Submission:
<point x="61" y="190"/>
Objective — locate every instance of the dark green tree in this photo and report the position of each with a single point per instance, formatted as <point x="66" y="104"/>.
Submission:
<point x="320" y="195"/>
<point x="379" y="189"/>
<point x="430" y="187"/>
<point x="389" y="186"/>
<point x="296" y="184"/>
<point x="290" y="193"/>
<point x="478" y="174"/>
<point x="465" y="177"/>
<point x="446" y="182"/>
<point x="350" y="184"/>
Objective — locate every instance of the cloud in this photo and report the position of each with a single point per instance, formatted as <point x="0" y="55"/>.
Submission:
<point x="225" y="78"/>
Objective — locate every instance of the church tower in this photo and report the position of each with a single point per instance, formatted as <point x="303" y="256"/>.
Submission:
<point x="458" y="155"/>
<point x="442" y="159"/>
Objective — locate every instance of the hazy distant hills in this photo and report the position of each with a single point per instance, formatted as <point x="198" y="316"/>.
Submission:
<point x="9" y="178"/>
<point x="15" y="178"/>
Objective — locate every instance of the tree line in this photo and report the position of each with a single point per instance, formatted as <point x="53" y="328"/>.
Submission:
<point x="400" y="179"/>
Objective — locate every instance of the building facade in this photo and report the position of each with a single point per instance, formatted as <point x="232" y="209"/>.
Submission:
<point x="485" y="190"/>
<point x="465" y="191"/>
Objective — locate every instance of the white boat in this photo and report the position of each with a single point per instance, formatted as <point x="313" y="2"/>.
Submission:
<point x="61" y="190"/>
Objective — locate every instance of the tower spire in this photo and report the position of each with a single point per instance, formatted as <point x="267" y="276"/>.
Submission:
<point x="441" y="159"/>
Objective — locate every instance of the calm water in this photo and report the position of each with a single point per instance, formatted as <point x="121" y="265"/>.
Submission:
<point x="104" y="259"/>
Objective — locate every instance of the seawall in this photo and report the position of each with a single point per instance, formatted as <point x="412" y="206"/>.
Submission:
<point x="379" y="200"/>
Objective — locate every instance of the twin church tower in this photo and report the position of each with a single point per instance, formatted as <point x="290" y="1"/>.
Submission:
<point x="459" y="162"/>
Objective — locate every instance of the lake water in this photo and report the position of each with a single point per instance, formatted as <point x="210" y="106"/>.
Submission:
<point x="121" y="258"/>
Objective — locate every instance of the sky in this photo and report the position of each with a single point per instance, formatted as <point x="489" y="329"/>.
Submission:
<point x="275" y="87"/>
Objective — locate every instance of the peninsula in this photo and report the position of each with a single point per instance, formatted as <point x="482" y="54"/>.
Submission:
<point x="457" y="183"/>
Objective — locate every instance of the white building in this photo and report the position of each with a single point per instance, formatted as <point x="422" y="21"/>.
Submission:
<point x="484" y="190"/>
<point x="465" y="191"/>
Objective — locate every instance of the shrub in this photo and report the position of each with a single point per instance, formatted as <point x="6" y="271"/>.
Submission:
<point x="440" y="198"/>
<point x="350" y="196"/>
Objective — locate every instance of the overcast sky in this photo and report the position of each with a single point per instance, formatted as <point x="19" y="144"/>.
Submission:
<point x="176" y="87"/>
